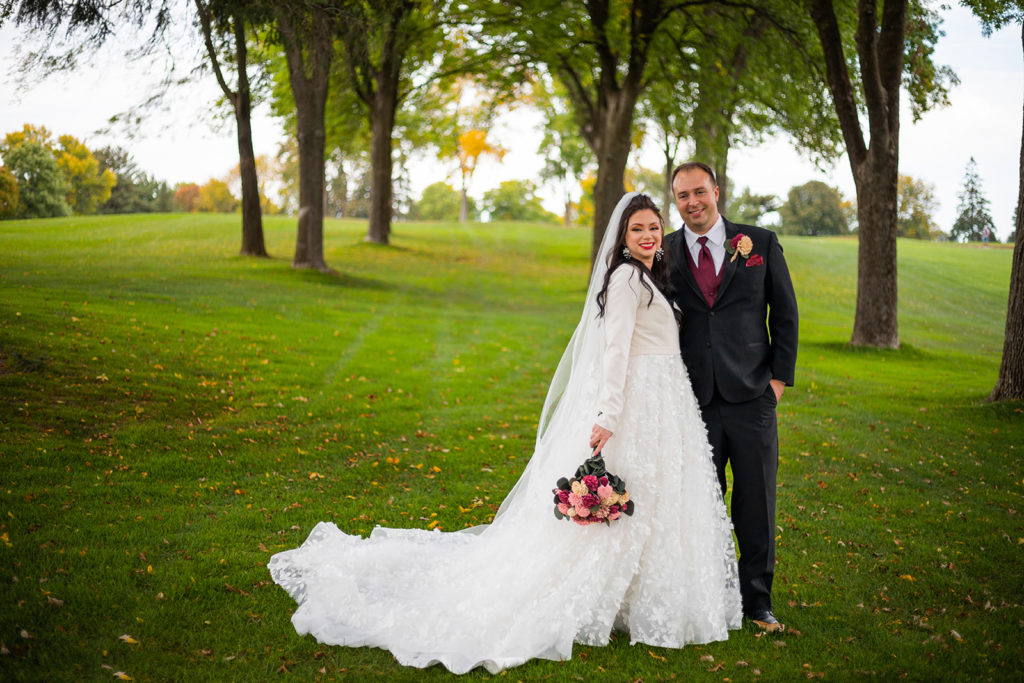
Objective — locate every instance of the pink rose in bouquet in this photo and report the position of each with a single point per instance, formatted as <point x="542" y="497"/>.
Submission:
<point x="605" y="492"/>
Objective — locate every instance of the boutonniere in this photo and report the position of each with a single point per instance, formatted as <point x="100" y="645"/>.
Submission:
<point x="740" y="245"/>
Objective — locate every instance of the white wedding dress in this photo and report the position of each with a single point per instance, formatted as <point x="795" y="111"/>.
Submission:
<point x="529" y="585"/>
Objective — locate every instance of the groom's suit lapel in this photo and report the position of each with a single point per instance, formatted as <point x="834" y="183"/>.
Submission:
<point x="683" y="260"/>
<point x="730" y="265"/>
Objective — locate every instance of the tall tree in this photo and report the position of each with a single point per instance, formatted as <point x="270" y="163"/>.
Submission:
<point x="881" y="36"/>
<point x="225" y="22"/>
<point x="732" y="74"/>
<point x="599" y="49"/>
<point x="385" y="41"/>
<point x="995" y="14"/>
<point x="973" y="222"/>
<point x="307" y="33"/>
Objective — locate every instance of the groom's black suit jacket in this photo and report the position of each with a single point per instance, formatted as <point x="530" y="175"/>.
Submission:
<point x="749" y="336"/>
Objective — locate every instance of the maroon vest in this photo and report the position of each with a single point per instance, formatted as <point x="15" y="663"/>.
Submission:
<point x="708" y="286"/>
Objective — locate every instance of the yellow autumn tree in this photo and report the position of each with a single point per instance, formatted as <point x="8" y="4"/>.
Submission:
<point x="88" y="186"/>
<point x="472" y="145"/>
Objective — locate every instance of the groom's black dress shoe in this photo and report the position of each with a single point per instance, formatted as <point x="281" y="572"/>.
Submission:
<point x="766" y="621"/>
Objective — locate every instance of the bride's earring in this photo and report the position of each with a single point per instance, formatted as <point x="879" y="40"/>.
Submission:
<point x="660" y="254"/>
<point x="625" y="253"/>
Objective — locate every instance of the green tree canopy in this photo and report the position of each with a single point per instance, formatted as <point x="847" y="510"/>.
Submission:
<point x="813" y="208"/>
<point x="41" y="186"/>
<point x="516" y="200"/>
<point x="442" y="202"/>
<point x="748" y="208"/>
<point x="135" y="191"/>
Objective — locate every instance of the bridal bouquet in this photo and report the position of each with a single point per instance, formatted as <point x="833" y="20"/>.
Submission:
<point x="592" y="495"/>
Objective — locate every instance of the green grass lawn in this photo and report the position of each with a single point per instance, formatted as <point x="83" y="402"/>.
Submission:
<point x="173" y="414"/>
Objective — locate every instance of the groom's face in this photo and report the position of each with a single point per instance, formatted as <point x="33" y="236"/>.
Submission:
<point x="697" y="199"/>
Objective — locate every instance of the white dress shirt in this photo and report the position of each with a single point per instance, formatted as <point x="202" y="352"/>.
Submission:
<point x="631" y="328"/>
<point x="716" y="243"/>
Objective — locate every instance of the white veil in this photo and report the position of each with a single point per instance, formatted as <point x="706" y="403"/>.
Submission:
<point x="570" y="407"/>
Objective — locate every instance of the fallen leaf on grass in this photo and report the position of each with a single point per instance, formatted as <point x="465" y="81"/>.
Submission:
<point x="742" y="664"/>
<point x="50" y="600"/>
<point x="956" y="636"/>
<point x="120" y="675"/>
<point x="907" y="577"/>
<point x="717" y="667"/>
<point x="25" y="634"/>
<point x="124" y="637"/>
<point x="656" y="656"/>
<point x="707" y="658"/>
<point x="263" y="548"/>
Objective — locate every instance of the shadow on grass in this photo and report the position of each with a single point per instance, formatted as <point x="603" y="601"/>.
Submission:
<point x="333" y="278"/>
<point x="905" y="352"/>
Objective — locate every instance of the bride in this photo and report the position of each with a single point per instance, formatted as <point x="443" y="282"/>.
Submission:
<point x="529" y="585"/>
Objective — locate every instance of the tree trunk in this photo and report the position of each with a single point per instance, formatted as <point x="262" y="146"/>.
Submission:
<point x="880" y="55"/>
<point x="668" y="198"/>
<point x="241" y="103"/>
<point x="252" y="215"/>
<point x="711" y="146"/>
<point x="381" y="126"/>
<point x="875" y="322"/>
<point x="1010" y="384"/>
<point x="308" y="49"/>
<point x="611" y="146"/>
<point x="463" y="202"/>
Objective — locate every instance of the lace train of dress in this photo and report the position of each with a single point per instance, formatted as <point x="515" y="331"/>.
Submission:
<point x="528" y="585"/>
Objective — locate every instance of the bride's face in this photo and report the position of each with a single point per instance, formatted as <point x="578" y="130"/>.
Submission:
<point x="643" y="235"/>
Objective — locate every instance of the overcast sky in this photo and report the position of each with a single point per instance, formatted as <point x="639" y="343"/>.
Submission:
<point x="186" y="143"/>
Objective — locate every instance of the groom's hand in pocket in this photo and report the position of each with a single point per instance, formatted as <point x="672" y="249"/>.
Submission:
<point x="778" y="386"/>
<point x="599" y="437"/>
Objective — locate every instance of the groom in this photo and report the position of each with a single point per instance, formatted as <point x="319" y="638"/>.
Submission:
<point x="738" y="337"/>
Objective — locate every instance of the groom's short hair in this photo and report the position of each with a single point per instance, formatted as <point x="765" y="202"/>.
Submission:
<point x="694" y="166"/>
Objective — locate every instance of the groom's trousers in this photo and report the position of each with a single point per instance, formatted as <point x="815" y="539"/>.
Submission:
<point x="745" y="435"/>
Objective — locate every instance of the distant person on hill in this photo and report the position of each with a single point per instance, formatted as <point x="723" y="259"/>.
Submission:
<point x="739" y="339"/>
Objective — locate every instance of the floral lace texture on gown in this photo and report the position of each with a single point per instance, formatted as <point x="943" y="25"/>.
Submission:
<point x="528" y="585"/>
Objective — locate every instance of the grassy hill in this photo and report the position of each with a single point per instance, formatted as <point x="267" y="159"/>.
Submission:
<point x="173" y="414"/>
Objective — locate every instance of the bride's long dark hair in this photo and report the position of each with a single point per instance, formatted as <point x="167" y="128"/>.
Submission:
<point x="658" y="273"/>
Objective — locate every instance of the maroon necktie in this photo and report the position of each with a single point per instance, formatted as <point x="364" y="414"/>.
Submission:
<point x="706" y="270"/>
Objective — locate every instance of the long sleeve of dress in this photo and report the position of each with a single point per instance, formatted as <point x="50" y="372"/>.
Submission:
<point x="620" y="314"/>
